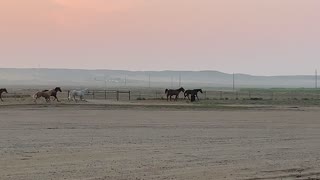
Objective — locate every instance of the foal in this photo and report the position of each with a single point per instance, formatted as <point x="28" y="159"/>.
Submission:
<point x="2" y="91"/>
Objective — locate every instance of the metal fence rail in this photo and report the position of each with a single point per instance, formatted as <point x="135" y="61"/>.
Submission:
<point x="107" y="95"/>
<point x="124" y="95"/>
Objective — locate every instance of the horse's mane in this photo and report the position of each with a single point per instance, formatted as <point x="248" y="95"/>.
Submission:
<point x="181" y="89"/>
<point x="198" y="90"/>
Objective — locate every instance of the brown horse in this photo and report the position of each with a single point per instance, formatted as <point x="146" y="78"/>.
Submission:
<point x="173" y="92"/>
<point x="2" y="91"/>
<point x="40" y="94"/>
<point x="192" y="93"/>
<point x="54" y="93"/>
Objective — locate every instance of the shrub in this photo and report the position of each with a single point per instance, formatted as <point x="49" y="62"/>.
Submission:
<point x="141" y="99"/>
<point x="256" y="99"/>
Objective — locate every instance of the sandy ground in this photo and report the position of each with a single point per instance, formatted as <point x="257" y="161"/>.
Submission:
<point x="86" y="143"/>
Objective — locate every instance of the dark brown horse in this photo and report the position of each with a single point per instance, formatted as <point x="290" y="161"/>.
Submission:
<point x="173" y="92"/>
<point x="54" y="93"/>
<point x="3" y="90"/>
<point x="194" y="92"/>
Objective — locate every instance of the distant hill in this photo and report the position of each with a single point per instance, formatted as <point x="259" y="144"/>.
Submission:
<point x="117" y="78"/>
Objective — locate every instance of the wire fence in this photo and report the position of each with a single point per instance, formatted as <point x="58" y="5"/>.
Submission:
<point x="127" y="95"/>
<point x="232" y="95"/>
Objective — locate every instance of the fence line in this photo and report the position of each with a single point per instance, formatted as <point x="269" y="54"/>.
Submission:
<point x="124" y="95"/>
<point x="103" y="94"/>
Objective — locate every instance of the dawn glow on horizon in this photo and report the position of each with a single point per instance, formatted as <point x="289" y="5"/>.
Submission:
<point x="261" y="37"/>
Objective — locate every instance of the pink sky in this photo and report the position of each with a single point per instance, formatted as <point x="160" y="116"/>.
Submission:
<point x="263" y="37"/>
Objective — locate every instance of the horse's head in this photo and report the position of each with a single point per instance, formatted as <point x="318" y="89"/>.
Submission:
<point x="58" y="89"/>
<point x="200" y="90"/>
<point x="86" y="90"/>
<point x="181" y="89"/>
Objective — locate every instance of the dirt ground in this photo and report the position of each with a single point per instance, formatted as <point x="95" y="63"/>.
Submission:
<point x="99" y="142"/>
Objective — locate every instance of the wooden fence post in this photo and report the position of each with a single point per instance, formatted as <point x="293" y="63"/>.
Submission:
<point x="92" y="94"/>
<point x="129" y="95"/>
<point x="117" y="95"/>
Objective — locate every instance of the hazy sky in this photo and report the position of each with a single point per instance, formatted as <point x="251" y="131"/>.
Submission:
<point x="263" y="37"/>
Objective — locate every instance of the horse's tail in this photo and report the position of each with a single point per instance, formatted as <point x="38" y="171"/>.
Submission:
<point x="166" y="91"/>
<point x="69" y="95"/>
<point x="35" y="95"/>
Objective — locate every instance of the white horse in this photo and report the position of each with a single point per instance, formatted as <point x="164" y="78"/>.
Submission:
<point x="80" y="93"/>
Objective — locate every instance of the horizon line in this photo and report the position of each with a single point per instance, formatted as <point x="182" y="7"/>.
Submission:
<point x="44" y="68"/>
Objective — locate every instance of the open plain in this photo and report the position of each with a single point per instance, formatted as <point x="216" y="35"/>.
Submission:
<point x="158" y="141"/>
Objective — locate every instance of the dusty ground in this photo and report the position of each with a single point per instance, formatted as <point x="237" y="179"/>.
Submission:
<point x="100" y="142"/>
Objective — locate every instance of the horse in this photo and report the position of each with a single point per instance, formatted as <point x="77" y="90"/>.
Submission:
<point x="54" y="93"/>
<point x="40" y="94"/>
<point x="80" y="93"/>
<point x="192" y="93"/>
<point x="173" y="92"/>
<point x="3" y="90"/>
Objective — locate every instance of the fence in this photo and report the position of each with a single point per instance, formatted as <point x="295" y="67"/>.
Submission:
<point x="107" y="94"/>
<point x="138" y="94"/>
<point x="232" y="95"/>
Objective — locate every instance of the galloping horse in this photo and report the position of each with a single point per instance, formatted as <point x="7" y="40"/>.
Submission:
<point x="192" y="92"/>
<point x="2" y="91"/>
<point x="80" y="93"/>
<point x="173" y="92"/>
<point x="54" y="93"/>
<point x="40" y="94"/>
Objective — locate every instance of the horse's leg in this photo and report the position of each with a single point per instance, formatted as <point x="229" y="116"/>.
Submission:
<point x="197" y="97"/>
<point x="56" y="98"/>
<point x="83" y="99"/>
